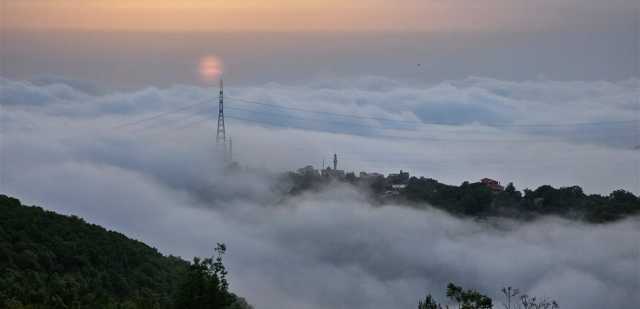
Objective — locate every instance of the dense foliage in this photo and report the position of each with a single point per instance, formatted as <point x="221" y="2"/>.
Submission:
<point x="472" y="299"/>
<point x="479" y="200"/>
<point x="49" y="260"/>
<point x="476" y="199"/>
<point x="466" y="299"/>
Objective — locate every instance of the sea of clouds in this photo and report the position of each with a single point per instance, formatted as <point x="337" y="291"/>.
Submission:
<point x="119" y="159"/>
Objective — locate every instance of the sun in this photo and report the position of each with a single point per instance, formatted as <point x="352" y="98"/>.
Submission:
<point x="210" y="68"/>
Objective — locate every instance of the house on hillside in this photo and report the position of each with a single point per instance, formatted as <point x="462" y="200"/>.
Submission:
<point x="493" y="185"/>
<point x="334" y="173"/>
<point x="370" y="176"/>
<point x="400" y="178"/>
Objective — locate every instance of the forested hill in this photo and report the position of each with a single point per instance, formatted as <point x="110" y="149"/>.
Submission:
<point x="49" y="260"/>
<point x="478" y="199"/>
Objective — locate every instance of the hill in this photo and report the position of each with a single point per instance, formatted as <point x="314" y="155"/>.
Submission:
<point x="479" y="199"/>
<point x="48" y="260"/>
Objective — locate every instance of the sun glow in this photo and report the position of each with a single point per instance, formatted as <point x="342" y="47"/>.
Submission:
<point x="210" y="68"/>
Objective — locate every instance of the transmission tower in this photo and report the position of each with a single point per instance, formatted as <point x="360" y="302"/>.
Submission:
<point x="221" y="137"/>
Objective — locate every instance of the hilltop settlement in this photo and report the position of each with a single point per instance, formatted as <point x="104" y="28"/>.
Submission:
<point x="480" y="199"/>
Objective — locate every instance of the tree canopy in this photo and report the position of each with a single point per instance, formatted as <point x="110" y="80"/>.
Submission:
<point x="49" y="260"/>
<point x="479" y="200"/>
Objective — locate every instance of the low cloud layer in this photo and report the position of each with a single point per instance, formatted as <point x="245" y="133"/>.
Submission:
<point x="531" y="133"/>
<point x="114" y="161"/>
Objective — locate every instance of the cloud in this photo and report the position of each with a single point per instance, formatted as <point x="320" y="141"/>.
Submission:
<point x="112" y="160"/>
<point x="25" y="93"/>
<point x="80" y="85"/>
<point x="333" y="250"/>
<point x="532" y="133"/>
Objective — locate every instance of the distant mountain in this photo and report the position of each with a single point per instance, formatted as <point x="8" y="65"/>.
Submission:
<point x="49" y="260"/>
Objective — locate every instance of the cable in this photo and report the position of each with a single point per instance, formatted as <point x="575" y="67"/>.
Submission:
<point x="395" y="137"/>
<point x="432" y="122"/>
<point x="274" y="123"/>
<point x="322" y="112"/>
<point x="159" y="115"/>
<point x="350" y="124"/>
<point x="281" y="115"/>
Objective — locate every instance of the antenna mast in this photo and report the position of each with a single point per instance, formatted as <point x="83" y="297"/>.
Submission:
<point x="221" y="133"/>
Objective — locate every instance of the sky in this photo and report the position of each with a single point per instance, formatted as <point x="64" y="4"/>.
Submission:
<point x="132" y="44"/>
<point x="109" y="108"/>
<point x="313" y="15"/>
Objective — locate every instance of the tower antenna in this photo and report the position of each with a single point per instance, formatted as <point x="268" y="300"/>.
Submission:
<point x="221" y="133"/>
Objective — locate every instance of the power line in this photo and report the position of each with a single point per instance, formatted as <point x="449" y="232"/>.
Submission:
<point x="350" y="124"/>
<point x="275" y="123"/>
<point x="321" y="112"/>
<point x="417" y="123"/>
<point x="596" y="123"/>
<point x="128" y="124"/>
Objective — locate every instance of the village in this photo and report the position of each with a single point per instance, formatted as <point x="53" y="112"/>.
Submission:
<point x="391" y="185"/>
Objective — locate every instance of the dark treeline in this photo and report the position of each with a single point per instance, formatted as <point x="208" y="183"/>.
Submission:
<point x="472" y="299"/>
<point x="49" y="260"/>
<point x="480" y="200"/>
<point x="476" y="199"/>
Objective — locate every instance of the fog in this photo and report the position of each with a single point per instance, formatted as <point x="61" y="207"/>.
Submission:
<point x="73" y="151"/>
<point x="531" y="133"/>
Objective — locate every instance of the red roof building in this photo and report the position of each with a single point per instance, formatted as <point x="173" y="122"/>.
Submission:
<point x="494" y="185"/>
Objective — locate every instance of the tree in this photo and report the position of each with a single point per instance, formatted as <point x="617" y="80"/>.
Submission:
<point x="429" y="303"/>
<point x="526" y="301"/>
<point x="469" y="299"/>
<point x="622" y="196"/>
<point x="466" y="299"/>
<point x="529" y="302"/>
<point x="509" y="294"/>
<point x="49" y="260"/>
<point x="205" y="285"/>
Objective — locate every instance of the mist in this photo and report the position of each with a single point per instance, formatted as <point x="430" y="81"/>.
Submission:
<point x="77" y="152"/>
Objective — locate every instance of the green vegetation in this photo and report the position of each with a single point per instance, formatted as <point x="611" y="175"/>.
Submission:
<point x="49" y="260"/>
<point x="479" y="199"/>
<point x="476" y="199"/>
<point x="471" y="299"/>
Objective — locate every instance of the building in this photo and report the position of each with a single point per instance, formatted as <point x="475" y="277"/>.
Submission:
<point x="366" y="175"/>
<point x="335" y="172"/>
<point x="494" y="185"/>
<point x="400" y="178"/>
<point x="308" y="170"/>
<point x="328" y="172"/>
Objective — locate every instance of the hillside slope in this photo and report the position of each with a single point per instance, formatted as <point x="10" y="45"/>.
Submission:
<point x="49" y="260"/>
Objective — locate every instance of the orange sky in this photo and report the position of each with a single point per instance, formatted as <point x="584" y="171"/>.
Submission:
<point x="224" y="15"/>
<point x="304" y="15"/>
